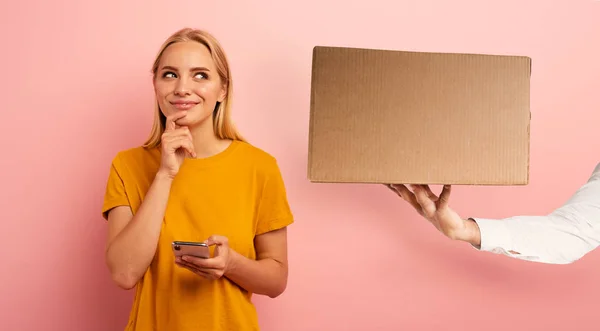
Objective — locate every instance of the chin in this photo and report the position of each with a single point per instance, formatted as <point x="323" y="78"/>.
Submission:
<point x="185" y="122"/>
<point x="192" y="120"/>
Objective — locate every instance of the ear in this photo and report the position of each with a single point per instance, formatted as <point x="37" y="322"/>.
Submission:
<point x="222" y="94"/>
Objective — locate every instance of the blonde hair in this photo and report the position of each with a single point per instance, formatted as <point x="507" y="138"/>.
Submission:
<point x="222" y="123"/>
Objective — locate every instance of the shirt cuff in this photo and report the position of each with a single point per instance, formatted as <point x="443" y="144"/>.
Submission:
<point x="495" y="236"/>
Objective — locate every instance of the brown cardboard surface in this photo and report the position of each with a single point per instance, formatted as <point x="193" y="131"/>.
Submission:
<point x="386" y="116"/>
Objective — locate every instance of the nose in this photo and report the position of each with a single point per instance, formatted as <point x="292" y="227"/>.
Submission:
<point x="182" y="88"/>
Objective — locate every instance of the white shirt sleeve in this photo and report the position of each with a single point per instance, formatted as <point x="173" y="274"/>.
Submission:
<point x="563" y="236"/>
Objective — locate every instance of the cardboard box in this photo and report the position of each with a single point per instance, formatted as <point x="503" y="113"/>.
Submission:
<point x="384" y="116"/>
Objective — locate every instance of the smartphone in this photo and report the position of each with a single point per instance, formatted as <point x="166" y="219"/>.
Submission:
<point x="197" y="249"/>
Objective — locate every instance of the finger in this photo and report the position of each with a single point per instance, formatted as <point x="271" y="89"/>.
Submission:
<point x="208" y="274"/>
<point x="204" y="274"/>
<point x="179" y="132"/>
<point x="407" y="195"/>
<point x="424" y="201"/>
<point x="171" y="120"/>
<point x="189" y="134"/>
<point x="216" y="240"/>
<point x="197" y="271"/>
<point x="396" y="187"/>
<point x="173" y="144"/>
<point x="170" y="123"/>
<point x="199" y="262"/>
<point x="215" y="272"/>
<point x="429" y="192"/>
<point x="445" y="196"/>
<point x="393" y="188"/>
<point x="190" y="264"/>
<point x="189" y="147"/>
<point x="212" y="273"/>
<point x="389" y="186"/>
<point x="184" y="131"/>
<point x="175" y="135"/>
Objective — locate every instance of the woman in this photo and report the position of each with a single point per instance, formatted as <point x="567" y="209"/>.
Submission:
<point x="563" y="236"/>
<point x="195" y="179"/>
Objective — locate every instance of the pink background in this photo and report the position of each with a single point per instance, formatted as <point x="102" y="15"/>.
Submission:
<point x="76" y="89"/>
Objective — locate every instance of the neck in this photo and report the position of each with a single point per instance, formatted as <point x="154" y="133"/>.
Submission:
<point x="206" y="143"/>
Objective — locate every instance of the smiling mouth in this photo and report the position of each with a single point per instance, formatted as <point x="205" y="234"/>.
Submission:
<point x="184" y="105"/>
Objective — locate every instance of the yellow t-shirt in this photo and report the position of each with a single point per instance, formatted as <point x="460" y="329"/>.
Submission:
<point x="238" y="193"/>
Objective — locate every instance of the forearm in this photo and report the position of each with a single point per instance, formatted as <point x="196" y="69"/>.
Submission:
<point x="563" y="236"/>
<point x="130" y="253"/>
<point x="558" y="238"/>
<point x="266" y="276"/>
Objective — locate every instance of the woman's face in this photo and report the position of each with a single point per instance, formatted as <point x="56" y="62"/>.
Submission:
<point x="187" y="79"/>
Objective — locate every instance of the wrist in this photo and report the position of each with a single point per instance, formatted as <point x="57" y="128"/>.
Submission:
<point x="232" y="262"/>
<point x="163" y="177"/>
<point x="472" y="234"/>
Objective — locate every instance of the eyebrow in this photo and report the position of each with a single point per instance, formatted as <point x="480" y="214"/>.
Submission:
<point x="192" y="69"/>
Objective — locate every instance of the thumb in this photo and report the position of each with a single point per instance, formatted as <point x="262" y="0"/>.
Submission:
<point x="216" y="240"/>
<point x="444" y="196"/>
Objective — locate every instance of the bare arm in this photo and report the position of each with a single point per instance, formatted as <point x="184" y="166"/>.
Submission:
<point x="132" y="240"/>
<point x="267" y="274"/>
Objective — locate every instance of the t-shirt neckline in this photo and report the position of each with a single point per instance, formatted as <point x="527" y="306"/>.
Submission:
<point x="213" y="159"/>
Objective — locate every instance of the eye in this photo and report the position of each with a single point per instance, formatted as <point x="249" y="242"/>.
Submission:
<point x="169" y="74"/>
<point x="200" y="75"/>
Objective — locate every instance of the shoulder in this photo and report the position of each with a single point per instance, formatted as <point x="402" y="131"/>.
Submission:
<point x="136" y="158"/>
<point x="257" y="158"/>
<point x="255" y="154"/>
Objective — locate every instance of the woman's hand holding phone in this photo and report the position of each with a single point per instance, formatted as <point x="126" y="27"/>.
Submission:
<point x="210" y="268"/>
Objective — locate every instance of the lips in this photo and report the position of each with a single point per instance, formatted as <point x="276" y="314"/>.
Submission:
<point x="184" y="105"/>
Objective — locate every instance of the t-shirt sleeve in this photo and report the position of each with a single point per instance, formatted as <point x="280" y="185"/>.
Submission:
<point x="273" y="211"/>
<point x="115" y="194"/>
